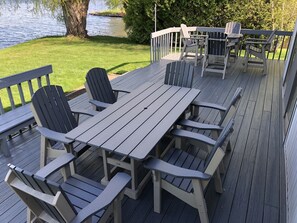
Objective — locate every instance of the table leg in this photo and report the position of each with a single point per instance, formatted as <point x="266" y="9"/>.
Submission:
<point x="105" y="166"/>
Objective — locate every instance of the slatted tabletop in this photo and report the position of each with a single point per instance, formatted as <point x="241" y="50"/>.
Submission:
<point x="135" y="124"/>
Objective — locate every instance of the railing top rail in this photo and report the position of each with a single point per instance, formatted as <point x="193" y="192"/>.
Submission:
<point x="219" y="29"/>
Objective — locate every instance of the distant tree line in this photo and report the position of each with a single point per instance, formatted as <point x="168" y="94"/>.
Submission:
<point x="252" y="14"/>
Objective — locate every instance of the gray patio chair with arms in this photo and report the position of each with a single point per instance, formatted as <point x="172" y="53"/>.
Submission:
<point x="185" y="175"/>
<point x="99" y="88"/>
<point x="179" y="73"/>
<point x="232" y="28"/>
<point x="233" y="32"/>
<point x="225" y="113"/>
<point x="258" y="48"/>
<point x="218" y="48"/>
<point x="191" y="44"/>
<point x="55" y="118"/>
<point x="77" y="199"/>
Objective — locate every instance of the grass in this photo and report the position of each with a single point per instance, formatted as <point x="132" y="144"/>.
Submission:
<point x="71" y="58"/>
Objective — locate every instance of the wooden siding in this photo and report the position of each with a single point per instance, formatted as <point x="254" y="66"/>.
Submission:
<point x="254" y="184"/>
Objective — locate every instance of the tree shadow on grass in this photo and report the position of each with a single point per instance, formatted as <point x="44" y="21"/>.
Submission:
<point x="110" y="70"/>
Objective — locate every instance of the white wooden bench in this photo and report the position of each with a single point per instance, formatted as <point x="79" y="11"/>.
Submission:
<point x="19" y="116"/>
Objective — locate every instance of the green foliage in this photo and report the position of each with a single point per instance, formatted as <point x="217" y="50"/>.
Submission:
<point x="112" y="4"/>
<point x="252" y="14"/>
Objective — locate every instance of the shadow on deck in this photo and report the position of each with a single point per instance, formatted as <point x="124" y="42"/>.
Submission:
<point x="254" y="184"/>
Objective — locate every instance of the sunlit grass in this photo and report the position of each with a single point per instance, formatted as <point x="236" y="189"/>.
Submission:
<point x="71" y="58"/>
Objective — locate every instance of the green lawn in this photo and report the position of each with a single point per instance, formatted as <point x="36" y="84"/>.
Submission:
<point x="71" y="58"/>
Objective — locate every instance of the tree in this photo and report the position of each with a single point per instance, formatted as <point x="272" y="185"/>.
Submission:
<point x="74" y="13"/>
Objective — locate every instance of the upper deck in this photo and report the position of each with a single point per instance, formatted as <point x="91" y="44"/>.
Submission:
<point x="254" y="184"/>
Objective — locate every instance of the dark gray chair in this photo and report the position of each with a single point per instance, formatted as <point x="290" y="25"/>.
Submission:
<point x="186" y="175"/>
<point x="213" y="129"/>
<point x="99" y="88"/>
<point x="77" y="199"/>
<point x="217" y="49"/>
<point x="55" y="118"/>
<point x="179" y="73"/>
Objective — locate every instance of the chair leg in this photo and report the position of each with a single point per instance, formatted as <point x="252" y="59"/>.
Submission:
<point x="157" y="191"/>
<point x="201" y="204"/>
<point x="182" y="53"/>
<point x="4" y="148"/>
<point x="43" y="151"/>
<point x="264" y="63"/>
<point x="117" y="210"/>
<point x="246" y="59"/>
<point x="225" y="65"/>
<point x="218" y="181"/>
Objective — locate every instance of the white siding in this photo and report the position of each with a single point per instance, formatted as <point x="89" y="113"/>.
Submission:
<point x="290" y="148"/>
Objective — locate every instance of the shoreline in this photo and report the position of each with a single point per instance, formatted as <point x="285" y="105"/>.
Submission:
<point x="108" y="14"/>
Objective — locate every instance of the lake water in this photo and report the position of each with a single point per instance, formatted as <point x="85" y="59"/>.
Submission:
<point x="22" y="24"/>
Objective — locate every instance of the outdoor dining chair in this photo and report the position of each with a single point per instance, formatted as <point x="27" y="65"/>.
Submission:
<point x="185" y="175"/>
<point x="99" y="89"/>
<point x="233" y="32"/>
<point x="212" y="129"/>
<point x="75" y="200"/>
<point x="179" y="73"/>
<point x="192" y="44"/>
<point x="55" y="118"/>
<point x="232" y="28"/>
<point x="216" y="54"/>
<point x="259" y="48"/>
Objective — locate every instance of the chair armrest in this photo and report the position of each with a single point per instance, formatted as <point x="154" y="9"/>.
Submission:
<point x="55" y="165"/>
<point x="198" y="125"/>
<point x="120" y="90"/>
<point x="109" y="194"/>
<point x="167" y="168"/>
<point x="256" y="39"/>
<point x="84" y="112"/>
<point x="53" y="135"/>
<point x="99" y="104"/>
<point x="208" y="105"/>
<point x="256" y="42"/>
<point x="193" y="135"/>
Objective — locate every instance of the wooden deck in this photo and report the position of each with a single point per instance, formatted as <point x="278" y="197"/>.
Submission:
<point x="254" y="183"/>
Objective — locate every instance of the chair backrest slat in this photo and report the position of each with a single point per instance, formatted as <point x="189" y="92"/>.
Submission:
<point x="179" y="73"/>
<point x="99" y="85"/>
<point x="52" y="109"/>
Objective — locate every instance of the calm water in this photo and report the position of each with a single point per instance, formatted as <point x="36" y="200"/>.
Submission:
<point x="17" y="26"/>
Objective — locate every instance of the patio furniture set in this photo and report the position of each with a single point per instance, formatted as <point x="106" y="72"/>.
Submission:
<point x="128" y="132"/>
<point x="215" y="48"/>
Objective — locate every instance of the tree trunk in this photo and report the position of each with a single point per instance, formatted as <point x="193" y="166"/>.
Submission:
<point x="75" y="17"/>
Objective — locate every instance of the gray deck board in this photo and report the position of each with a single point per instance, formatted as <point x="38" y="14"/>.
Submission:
<point x="254" y="188"/>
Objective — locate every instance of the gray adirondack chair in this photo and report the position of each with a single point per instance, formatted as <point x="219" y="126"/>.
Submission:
<point x="218" y="48"/>
<point x="77" y="199"/>
<point x="233" y="32"/>
<point x="232" y="28"/>
<point x="55" y="118"/>
<point x="191" y="45"/>
<point x="99" y="88"/>
<point x="186" y="175"/>
<point x="179" y="73"/>
<point x="258" y="48"/>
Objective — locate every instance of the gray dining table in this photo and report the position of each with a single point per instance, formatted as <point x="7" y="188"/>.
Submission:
<point x="129" y="130"/>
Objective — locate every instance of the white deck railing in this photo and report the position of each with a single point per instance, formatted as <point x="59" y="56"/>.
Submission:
<point x="168" y="41"/>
